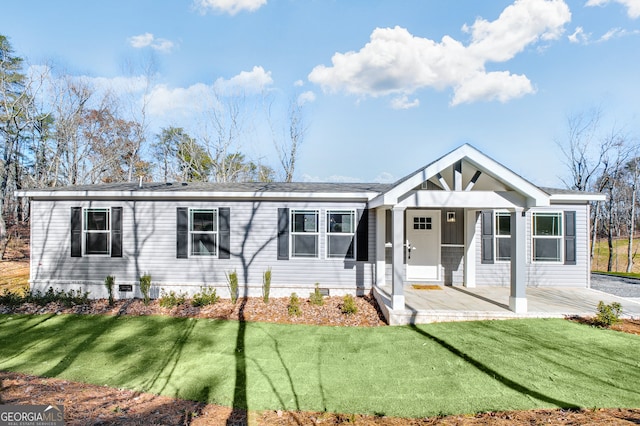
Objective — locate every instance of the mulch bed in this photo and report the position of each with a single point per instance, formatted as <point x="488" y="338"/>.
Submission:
<point x="86" y="404"/>
<point x="631" y="326"/>
<point x="249" y="309"/>
<point x="100" y="405"/>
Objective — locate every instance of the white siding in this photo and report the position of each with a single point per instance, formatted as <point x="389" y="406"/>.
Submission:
<point x="541" y="274"/>
<point x="149" y="246"/>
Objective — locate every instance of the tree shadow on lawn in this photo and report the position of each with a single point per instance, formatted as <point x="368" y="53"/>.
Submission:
<point x="493" y="373"/>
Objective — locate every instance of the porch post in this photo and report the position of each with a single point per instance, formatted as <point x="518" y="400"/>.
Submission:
<point x="397" y="283"/>
<point x="518" y="295"/>
<point x="471" y="218"/>
<point x="380" y="246"/>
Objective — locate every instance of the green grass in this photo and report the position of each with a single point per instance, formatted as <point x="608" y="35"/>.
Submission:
<point x="418" y="371"/>
<point x="620" y="258"/>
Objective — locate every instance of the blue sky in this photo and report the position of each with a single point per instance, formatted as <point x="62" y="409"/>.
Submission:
<point x="386" y="86"/>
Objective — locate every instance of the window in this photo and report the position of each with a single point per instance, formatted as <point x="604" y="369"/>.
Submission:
<point x="203" y="230"/>
<point x="503" y="236"/>
<point x="97" y="234"/>
<point x="340" y="233"/>
<point x="304" y="233"/>
<point x="422" y="223"/>
<point x="547" y="237"/>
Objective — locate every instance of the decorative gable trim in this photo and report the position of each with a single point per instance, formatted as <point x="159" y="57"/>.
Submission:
<point x="534" y="196"/>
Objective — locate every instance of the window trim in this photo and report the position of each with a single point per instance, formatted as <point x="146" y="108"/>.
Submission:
<point x="559" y="237"/>
<point x="215" y="232"/>
<point x="85" y="231"/>
<point x="293" y="233"/>
<point x="352" y="234"/>
<point x="497" y="236"/>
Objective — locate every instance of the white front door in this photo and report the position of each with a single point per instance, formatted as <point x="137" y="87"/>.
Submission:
<point x="422" y="246"/>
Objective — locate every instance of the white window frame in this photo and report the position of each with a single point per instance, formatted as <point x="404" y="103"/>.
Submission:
<point x="497" y="236"/>
<point x="215" y="232"/>
<point x="293" y="233"/>
<point x="560" y="236"/>
<point x="85" y="231"/>
<point x="330" y="233"/>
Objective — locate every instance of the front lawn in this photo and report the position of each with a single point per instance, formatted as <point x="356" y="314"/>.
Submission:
<point x="400" y="371"/>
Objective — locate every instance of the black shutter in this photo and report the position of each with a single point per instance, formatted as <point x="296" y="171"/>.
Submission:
<point x="224" y="233"/>
<point x="570" y="238"/>
<point x="362" y="236"/>
<point x="283" y="234"/>
<point x="182" y="229"/>
<point x="116" y="231"/>
<point x="487" y="236"/>
<point x="76" y="231"/>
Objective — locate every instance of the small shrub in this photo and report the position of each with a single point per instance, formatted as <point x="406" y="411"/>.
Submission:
<point x="608" y="315"/>
<point x="232" y="282"/>
<point x="171" y="299"/>
<point x="316" y="297"/>
<point x="110" y="282"/>
<point x="68" y="299"/>
<point x="294" y="305"/>
<point x="349" y="305"/>
<point x="10" y="299"/>
<point x="73" y="298"/>
<point x="145" y="287"/>
<point x="207" y="296"/>
<point x="266" y="285"/>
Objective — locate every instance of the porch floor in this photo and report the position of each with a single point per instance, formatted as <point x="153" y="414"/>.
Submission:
<point x="489" y="302"/>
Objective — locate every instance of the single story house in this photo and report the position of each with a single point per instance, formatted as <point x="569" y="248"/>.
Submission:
<point x="462" y="220"/>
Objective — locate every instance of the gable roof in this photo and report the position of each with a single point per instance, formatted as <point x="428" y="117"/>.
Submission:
<point x="534" y="195"/>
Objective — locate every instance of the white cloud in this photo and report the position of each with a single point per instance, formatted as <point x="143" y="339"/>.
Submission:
<point x="385" y="177"/>
<point x="617" y="33"/>
<point x="231" y="7"/>
<point x="612" y="33"/>
<point x="164" y="100"/>
<point x="633" y="6"/>
<point x="519" y="25"/>
<point x="253" y="81"/>
<point x="579" y="36"/>
<point x="142" y="40"/>
<point x="500" y="85"/>
<point x="403" y="102"/>
<point x="149" y="40"/>
<point x="395" y="62"/>
<point x="306" y="97"/>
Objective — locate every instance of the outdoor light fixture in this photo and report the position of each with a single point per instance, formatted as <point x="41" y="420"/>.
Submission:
<point x="451" y="216"/>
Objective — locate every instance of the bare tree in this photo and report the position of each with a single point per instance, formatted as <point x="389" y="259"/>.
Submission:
<point x="583" y="151"/>
<point x="143" y="73"/>
<point x="17" y="117"/>
<point x="632" y="170"/>
<point x="70" y="99"/>
<point x="225" y="127"/>
<point x="590" y="158"/>
<point x="287" y="142"/>
<point x="611" y="182"/>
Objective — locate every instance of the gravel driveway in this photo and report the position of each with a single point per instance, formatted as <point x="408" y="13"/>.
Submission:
<point x="618" y="286"/>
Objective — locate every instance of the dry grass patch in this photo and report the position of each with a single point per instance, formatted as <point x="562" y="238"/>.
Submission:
<point x="14" y="276"/>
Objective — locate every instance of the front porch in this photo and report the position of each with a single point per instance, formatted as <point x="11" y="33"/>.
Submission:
<point x="492" y="302"/>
